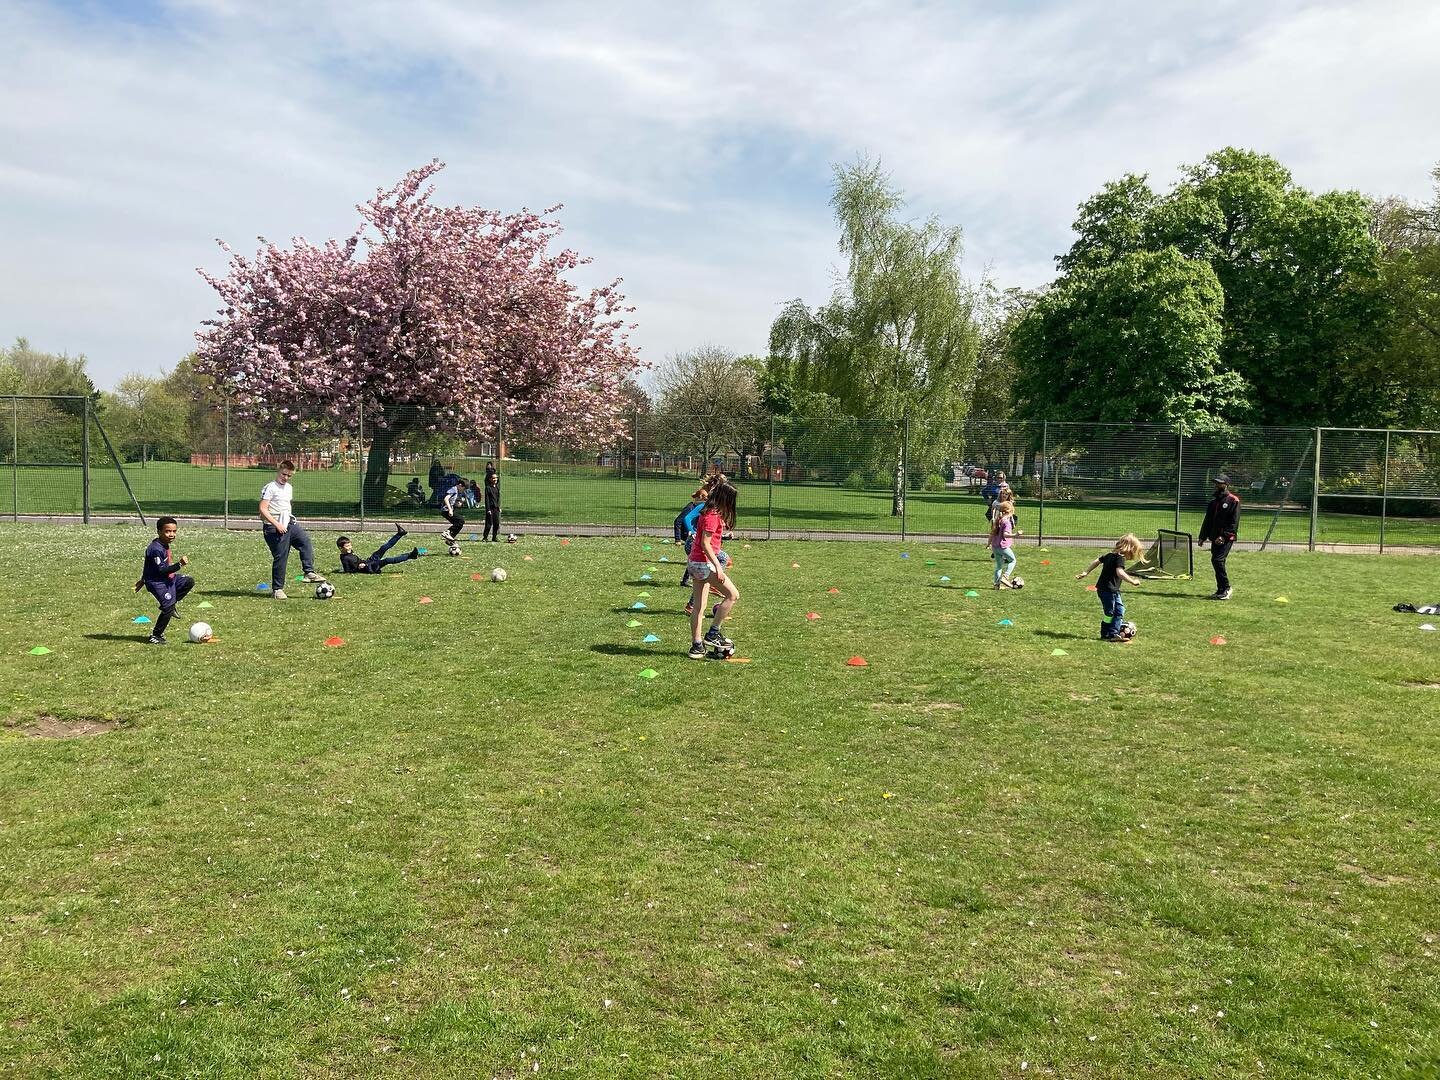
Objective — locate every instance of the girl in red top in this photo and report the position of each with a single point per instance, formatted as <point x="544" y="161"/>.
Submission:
<point x="707" y="567"/>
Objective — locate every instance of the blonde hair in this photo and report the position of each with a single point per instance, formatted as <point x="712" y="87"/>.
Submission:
<point x="1130" y="546"/>
<point x="1004" y="508"/>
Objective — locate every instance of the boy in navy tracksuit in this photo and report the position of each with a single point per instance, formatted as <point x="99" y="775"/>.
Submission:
<point x="350" y="563"/>
<point x="163" y="578"/>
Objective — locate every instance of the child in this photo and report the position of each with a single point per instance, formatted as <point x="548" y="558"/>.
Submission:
<point x="450" y="504"/>
<point x="492" y="503"/>
<point x="163" y="578"/>
<point x="282" y="531"/>
<point x="1114" y="627"/>
<point x="707" y="567"/>
<point x="1002" y="542"/>
<point x="350" y="563"/>
<point x="685" y="523"/>
<point x="473" y="495"/>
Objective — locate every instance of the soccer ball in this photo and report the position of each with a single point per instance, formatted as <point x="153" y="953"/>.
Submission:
<point x="454" y="549"/>
<point x="324" y="591"/>
<point x="511" y="538"/>
<point x="1128" y="630"/>
<point x="1017" y="583"/>
<point x="200" y="631"/>
<point x="498" y="574"/>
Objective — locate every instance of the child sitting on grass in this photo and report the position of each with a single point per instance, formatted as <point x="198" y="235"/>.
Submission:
<point x="350" y="563"/>
<point x="1127" y="549"/>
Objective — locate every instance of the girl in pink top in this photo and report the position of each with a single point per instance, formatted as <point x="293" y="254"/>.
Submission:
<point x="707" y="568"/>
<point x="1002" y="541"/>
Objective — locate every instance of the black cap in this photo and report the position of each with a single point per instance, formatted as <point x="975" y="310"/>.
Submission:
<point x="1221" y="478"/>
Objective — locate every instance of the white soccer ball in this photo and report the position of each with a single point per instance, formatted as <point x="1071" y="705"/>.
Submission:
<point x="498" y="574"/>
<point x="324" y="591"/>
<point x="1017" y="583"/>
<point x="511" y="538"/>
<point x="201" y="631"/>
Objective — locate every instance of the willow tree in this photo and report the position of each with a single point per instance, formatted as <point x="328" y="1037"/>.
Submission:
<point x="897" y="340"/>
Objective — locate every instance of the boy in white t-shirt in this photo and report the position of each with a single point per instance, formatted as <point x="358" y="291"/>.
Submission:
<point x="282" y="530"/>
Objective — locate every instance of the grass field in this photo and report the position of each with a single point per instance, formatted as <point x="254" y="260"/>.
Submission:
<point x="473" y="842"/>
<point x="560" y="498"/>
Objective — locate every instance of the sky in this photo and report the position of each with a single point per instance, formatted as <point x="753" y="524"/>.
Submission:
<point x="691" y="145"/>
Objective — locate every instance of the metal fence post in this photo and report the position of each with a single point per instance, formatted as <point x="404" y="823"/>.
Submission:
<point x="1044" y="465"/>
<point x="1179" y="474"/>
<point x="225" y="470"/>
<point x="1384" y="489"/>
<point x="904" y="475"/>
<point x="1315" y="492"/>
<point x="85" y="461"/>
<point x="360" y="449"/>
<point x="15" y="458"/>
<point x="770" y="484"/>
<point x="635" y="450"/>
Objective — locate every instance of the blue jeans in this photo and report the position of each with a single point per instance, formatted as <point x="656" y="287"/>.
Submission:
<point x="1113" y="606"/>
<point x="280" y="544"/>
<point x="1004" y="563"/>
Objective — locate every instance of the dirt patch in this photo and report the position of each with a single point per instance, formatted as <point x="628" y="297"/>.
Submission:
<point x="1424" y="685"/>
<point x="46" y="726"/>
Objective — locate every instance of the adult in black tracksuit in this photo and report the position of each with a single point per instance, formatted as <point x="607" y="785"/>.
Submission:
<point x="1220" y="527"/>
<point x="492" y="504"/>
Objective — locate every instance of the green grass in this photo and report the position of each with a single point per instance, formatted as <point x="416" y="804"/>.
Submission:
<point x="560" y="497"/>
<point x="472" y="839"/>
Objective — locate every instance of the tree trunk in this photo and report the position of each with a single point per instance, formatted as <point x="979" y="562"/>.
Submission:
<point x="377" y="467"/>
<point x="897" y="494"/>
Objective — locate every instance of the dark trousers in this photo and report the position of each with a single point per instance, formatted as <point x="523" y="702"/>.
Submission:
<point x="492" y="523"/>
<point x="167" y="594"/>
<point x="280" y="545"/>
<point x="377" y="560"/>
<point x="1113" y="606"/>
<point x="456" y="524"/>
<point x="1219" y="552"/>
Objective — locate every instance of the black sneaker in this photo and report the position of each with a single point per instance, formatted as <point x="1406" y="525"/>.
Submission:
<point x="1224" y="594"/>
<point x="156" y="639"/>
<point x="414" y="553"/>
<point x="1407" y="608"/>
<point x="400" y="530"/>
<point x="714" y="637"/>
<point x="697" y="651"/>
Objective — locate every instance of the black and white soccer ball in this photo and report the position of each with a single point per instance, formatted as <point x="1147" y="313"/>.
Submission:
<point x="1128" y="630"/>
<point x="498" y="574"/>
<point x="512" y="538"/>
<point x="1017" y="583"/>
<point x="324" y="591"/>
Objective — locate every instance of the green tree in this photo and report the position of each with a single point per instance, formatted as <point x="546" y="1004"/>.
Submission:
<point x="897" y="340"/>
<point x="147" y="418"/>
<point x="1136" y="337"/>
<point x="47" y="431"/>
<point x="708" y="400"/>
<point x="1298" y="275"/>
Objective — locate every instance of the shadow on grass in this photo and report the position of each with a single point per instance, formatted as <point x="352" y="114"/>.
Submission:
<point x="264" y="595"/>
<point x="950" y="586"/>
<point x="1156" y="594"/>
<point x="642" y="611"/>
<point x="129" y="639"/>
<point x="1060" y="634"/>
<point x="623" y="650"/>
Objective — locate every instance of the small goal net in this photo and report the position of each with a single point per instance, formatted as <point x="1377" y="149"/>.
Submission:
<point x="1172" y="555"/>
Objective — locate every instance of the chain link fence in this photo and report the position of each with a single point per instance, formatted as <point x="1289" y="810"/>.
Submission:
<point x="798" y="476"/>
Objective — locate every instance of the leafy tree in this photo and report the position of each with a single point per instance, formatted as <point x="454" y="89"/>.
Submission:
<point x="997" y="314"/>
<point x="1298" y="277"/>
<point x="47" y="432"/>
<point x="1138" y="336"/>
<point x="144" y="416"/>
<point x="897" y="339"/>
<point x="429" y="319"/>
<point x="1405" y="363"/>
<point x="708" y="400"/>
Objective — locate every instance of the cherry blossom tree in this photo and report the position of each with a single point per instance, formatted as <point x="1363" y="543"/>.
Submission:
<point x="429" y="318"/>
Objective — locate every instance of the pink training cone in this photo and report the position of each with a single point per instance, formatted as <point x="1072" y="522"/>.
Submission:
<point x="334" y="642"/>
<point x="1218" y="640"/>
<point x="857" y="661"/>
<point x="812" y="615"/>
<point x="833" y="592"/>
<point x="426" y="600"/>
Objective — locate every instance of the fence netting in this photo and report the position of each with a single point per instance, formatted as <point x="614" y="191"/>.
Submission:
<point x="811" y="476"/>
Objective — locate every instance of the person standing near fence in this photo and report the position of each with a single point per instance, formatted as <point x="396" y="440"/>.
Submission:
<point x="1220" y="528"/>
<point x="492" y="504"/>
<point x="282" y="531"/>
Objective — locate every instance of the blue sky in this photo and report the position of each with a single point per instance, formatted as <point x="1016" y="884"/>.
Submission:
<point x="690" y="143"/>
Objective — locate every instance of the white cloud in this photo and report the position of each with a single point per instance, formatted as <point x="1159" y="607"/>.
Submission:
<point x="690" y="144"/>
